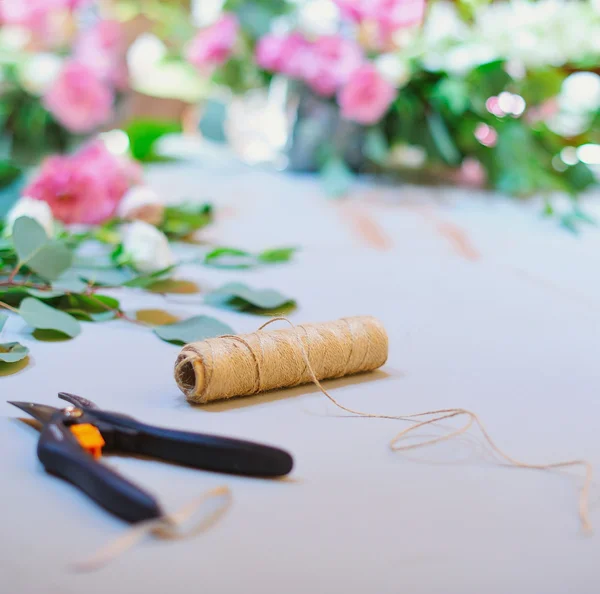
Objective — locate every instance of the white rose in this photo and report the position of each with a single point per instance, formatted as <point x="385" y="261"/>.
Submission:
<point x="38" y="72"/>
<point x="147" y="247"/>
<point x="141" y="203"/>
<point x="37" y="210"/>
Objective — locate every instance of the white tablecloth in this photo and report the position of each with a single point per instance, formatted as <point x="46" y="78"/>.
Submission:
<point x="487" y="306"/>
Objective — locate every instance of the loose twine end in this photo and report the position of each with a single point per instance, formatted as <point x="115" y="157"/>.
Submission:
<point x="168" y="527"/>
<point x="435" y="416"/>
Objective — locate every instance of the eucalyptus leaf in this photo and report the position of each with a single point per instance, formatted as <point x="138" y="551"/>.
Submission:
<point x="69" y="283"/>
<point x="42" y="293"/>
<point x="11" y="352"/>
<point x="224" y="257"/>
<point x="110" y="277"/>
<point x="239" y="296"/>
<point x="192" y="329"/>
<point x="47" y="258"/>
<point x="28" y="237"/>
<point x="39" y="315"/>
<point x="145" y="280"/>
<point x="3" y="318"/>
<point x="276" y="255"/>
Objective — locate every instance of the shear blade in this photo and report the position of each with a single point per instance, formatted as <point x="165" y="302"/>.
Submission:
<point x="42" y="412"/>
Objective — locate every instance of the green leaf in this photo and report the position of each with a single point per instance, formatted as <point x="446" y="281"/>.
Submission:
<point x="183" y="219"/>
<point x="69" y="283"/>
<point x="275" y="255"/>
<point x="143" y="135"/>
<point x="145" y="280"/>
<point x="11" y="352"/>
<point x="336" y="177"/>
<point x="39" y="315"/>
<point x="91" y="308"/>
<point x="9" y="173"/>
<point x="28" y="238"/>
<point x="192" y="330"/>
<point x="110" y="277"/>
<point x="239" y="296"/>
<point x="451" y="94"/>
<point x="442" y="139"/>
<point x="224" y="257"/>
<point x="47" y="258"/>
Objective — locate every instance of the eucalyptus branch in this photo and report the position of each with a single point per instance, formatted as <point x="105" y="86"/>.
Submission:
<point x="9" y="307"/>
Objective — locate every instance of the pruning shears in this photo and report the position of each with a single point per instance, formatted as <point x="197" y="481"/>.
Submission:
<point x="73" y="439"/>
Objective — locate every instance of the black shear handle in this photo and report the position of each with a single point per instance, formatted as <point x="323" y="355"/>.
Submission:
<point x="199" y="450"/>
<point x="61" y="454"/>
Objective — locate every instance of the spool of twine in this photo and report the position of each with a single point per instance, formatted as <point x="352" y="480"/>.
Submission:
<point x="247" y="364"/>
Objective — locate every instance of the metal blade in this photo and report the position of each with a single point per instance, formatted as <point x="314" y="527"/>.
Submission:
<point x="41" y="412"/>
<point x="78" y="401"/>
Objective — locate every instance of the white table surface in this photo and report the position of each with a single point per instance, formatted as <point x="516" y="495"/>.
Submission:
<point x="487" y="306"/>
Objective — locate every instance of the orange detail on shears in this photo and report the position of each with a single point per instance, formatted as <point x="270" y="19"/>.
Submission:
<point x="89" y="438"/>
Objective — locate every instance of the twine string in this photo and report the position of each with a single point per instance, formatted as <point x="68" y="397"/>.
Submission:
<point x="168" y="527"/>
<point x="436" y="417"/>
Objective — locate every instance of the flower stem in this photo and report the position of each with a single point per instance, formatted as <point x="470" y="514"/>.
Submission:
<point x="9" y="307"/>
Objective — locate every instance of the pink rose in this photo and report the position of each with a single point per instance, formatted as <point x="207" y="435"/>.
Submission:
<point x="390" y="14"/>
<point x="380" y="19"/>
<point x="85" y="187"/>
<point x="366" y="97"/>
<point x="79" y="99"/>
<point x="331" y="61"/>
<point x="101" y="48"/>
<point x="44" y="18"/>
<point x="213" y="46"/>
<point x="287" y="54"/>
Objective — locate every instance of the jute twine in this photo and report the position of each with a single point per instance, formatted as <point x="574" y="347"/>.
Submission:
<point x="242" y="365"/>
<point x="247" y="364"/>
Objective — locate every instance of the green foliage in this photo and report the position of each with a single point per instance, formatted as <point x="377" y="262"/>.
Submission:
<point x="11" y="352"/>
<point x="52" y="287"/>
<point x="240" y="297"/>
<point x="231" y="258"/>
<point x="192" y="330"/>
<point x="277" y="255"/>
<point x="9" y="173"/>
<point x="143" y="135"/>
<point x="184" y="219"/>
<point x="47" y="258"/>
<point x="41" y="316"/>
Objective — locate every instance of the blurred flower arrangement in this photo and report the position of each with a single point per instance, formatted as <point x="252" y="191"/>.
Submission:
<point x="503" y="95"/>
<point x="62" y="68"/>
<point x="85" y="228"/>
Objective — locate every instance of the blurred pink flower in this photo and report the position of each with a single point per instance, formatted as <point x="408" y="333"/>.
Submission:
<point x="287" y="54"/>
<point x="213" y="46"/>
<point x="44" y="18"/>
<point x="79" y="99"/>
<point x="366" y="97"/>
<point x="330" y="62"/>
<point x="390" y="14"/>
<point x="85" y="187"/>
<point x="380" y="19"/>
<point x="101" y="48"/>
<point x="471" y="174"/>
